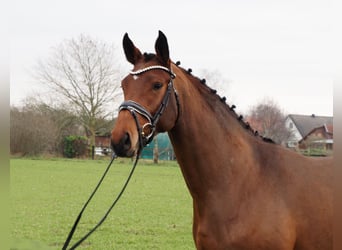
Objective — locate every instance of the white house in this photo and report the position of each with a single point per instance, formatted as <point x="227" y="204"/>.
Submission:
<point x="302" y="125"/>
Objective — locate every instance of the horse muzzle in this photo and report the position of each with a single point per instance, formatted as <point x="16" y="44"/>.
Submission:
<point x="124" y="137"/>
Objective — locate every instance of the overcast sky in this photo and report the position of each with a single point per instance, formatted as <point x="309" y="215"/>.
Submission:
<point x="276" y="49"/>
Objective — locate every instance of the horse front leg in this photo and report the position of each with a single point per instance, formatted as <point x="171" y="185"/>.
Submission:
<point x="204" y="237"/>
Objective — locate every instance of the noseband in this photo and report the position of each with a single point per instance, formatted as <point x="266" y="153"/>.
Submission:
<point x="135" y="107"/>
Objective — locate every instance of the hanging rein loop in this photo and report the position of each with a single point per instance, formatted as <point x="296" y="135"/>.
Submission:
<point x="73" y="229"/>
<point x="133" y="106"/>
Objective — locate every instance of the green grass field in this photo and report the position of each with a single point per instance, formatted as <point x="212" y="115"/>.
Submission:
<point x="155" y="212"/>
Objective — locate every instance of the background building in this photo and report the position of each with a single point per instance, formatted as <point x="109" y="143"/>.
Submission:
<point x="310" y="131"/>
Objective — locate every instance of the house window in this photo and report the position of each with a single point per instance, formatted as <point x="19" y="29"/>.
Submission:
<point x="291" y="125"/>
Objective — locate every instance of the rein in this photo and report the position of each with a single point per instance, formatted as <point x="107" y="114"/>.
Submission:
<point x="73" y="229"/>
<point x="134" y="108"/>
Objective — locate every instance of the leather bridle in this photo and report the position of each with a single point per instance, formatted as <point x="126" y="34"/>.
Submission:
<point x="135" y="107"/>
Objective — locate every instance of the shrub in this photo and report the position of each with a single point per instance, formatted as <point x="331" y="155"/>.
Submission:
<point x="75" y="146"/>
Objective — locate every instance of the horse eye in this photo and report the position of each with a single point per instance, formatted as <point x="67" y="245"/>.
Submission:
<point x="157" y="86"/>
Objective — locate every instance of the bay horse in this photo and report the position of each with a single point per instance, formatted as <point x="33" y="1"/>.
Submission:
<point x="248" y="193"/>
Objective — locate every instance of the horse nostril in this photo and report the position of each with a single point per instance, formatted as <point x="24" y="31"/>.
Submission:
<point x="123" y="146"/>
<point x="126" y="141"/>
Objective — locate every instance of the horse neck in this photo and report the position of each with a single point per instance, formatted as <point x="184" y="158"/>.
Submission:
<point x="213" y="149"/>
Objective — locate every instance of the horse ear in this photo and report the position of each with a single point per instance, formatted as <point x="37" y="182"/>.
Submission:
<point x="162" y="48"/>
<point x="132" y="53"/>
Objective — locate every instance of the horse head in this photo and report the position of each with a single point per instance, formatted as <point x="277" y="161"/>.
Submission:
<point x="149" y="105"/>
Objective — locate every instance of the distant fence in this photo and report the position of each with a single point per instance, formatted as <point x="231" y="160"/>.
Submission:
<point x="165" y="150"/>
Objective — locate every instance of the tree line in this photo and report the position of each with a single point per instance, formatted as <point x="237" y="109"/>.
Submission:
<point x="38" y="129"/>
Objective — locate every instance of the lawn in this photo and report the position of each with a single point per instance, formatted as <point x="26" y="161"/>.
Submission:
<point x="155" y="212"/>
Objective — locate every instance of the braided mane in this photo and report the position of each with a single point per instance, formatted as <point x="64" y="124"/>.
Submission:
<point x="230" y="109"/>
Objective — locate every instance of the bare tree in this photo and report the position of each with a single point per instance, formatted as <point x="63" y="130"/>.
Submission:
<point x="64" y="121"/>
<point x="84" y="73"/>
<point x="268" y="119"/>
<point x="216" y="80"/>
<point x="38" y="127"/>
<point x="32" y="133"/>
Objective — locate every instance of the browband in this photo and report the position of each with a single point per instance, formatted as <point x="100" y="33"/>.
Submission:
<point x="140" y="71"/>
